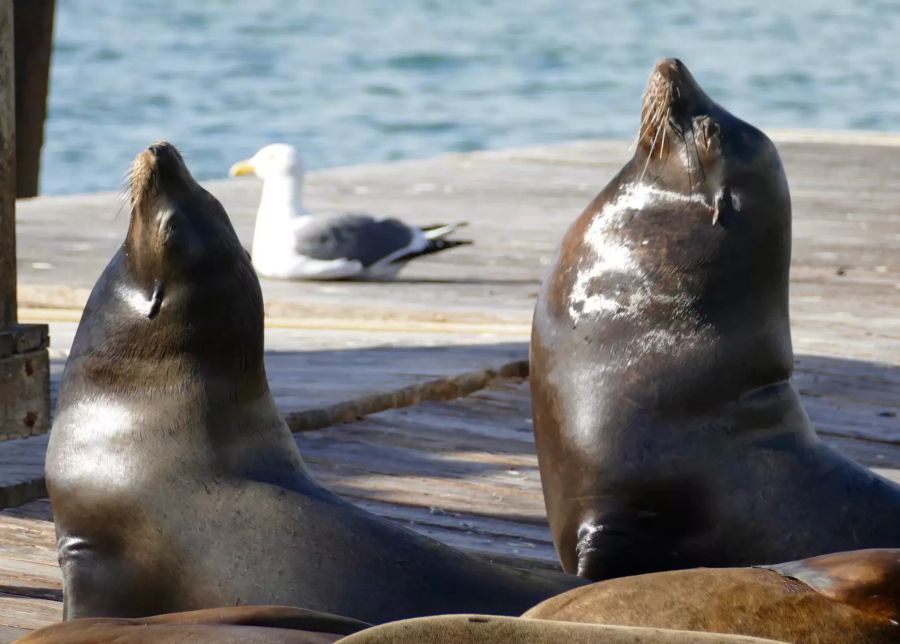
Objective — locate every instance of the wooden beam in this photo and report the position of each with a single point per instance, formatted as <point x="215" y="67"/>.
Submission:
<point x="24" y="361"/>
<point x="7" y="169"/>
<point x="33" y="27"/>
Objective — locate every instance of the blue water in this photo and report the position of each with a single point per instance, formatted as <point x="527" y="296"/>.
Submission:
<point x="351" y="81"/>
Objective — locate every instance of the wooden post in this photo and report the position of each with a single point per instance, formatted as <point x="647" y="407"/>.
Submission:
<point x="7" y="170"/>
<point x="33" y="27"/>
<point x="24" y="362"/>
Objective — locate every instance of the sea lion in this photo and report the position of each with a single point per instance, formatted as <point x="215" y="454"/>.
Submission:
<point x="216" y="627"/>
<point x="831" y="599"/>
<point x="237" y="624"/>
<point x="174" y="481"/>
<point x="668" y="432"/>
<point x="490" y="629"/>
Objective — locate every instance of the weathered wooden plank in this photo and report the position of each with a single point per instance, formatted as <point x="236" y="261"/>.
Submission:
<point x="462" y="471"/>
<point x="318" y="378"/>
<point x="22" y="470"/>
<point x="845" y="399"/>
<point x="28" y="613"/>
<point x="844" y="224"/>
<point x="30" y="579"/>
<point x="10" y="634"/>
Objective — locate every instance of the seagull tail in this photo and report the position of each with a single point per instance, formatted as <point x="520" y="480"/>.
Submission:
<point x="434" y="246"/>
<point x="439" y="231"/>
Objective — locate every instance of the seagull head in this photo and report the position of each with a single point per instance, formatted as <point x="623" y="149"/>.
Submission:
<point x="274" y="160"/>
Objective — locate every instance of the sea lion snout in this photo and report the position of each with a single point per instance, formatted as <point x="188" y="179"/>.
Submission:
<point x="670" y="69"/>
<point x="664" y="86"/>
<point x="158" y="168"/>
<point x="163" y="154"/>
<point x="672" y="90"/>
<point x="161" y="149"/>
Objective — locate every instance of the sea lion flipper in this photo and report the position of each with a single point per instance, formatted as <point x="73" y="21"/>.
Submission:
<point x="87" y="570"/>
<point x="866" y="579"/>
<point x="605" y="543"/>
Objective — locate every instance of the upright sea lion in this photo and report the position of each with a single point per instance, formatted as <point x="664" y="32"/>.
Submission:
<point x="832" y="599"/>
<point x="668" y="432"/>
<point x="174" y="481"/>
<point x="237" y="624"/>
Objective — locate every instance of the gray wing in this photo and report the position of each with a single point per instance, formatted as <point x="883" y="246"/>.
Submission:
<point x="352" y="236"/>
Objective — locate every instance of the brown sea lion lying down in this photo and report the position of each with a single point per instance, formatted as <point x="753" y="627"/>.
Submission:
<point x="486" y="629"/>
<point x="238" y="624"/>
<point x="838" y="598"/>
<point x="202" y="627"/>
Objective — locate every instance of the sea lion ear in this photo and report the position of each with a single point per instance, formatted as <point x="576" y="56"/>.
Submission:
<point x="868" y="580"/>
<point x="710" y="133"/>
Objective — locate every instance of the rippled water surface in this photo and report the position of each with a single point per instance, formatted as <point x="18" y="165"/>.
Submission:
<point x="350" y="81"/>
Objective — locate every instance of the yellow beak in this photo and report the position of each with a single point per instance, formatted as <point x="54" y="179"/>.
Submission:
<point x="241" y="168"/>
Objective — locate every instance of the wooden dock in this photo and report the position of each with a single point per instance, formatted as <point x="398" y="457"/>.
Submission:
<point x="411" y="394"/>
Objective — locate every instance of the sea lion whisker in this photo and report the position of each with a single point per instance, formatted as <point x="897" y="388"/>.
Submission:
<point x="645" y="116"/>
<point x="650" y="153"/>
<point x="665" y="126"/>
<point x="653" y="125"/>
<point x="658" y="113"/>
<point x="645" y="122"/>
<point x="652" y="116"/>
<point x="124" y="202"/>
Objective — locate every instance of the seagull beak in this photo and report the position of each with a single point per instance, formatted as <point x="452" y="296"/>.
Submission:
<point x="241" y="168"/>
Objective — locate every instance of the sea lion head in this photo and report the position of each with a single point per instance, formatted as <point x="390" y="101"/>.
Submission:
<point x="182" y="275"/>
<point x="177" y="228"/>
<point x="690" y="145"/>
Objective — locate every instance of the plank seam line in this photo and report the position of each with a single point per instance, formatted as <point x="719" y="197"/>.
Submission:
<point x="864" y="439"/>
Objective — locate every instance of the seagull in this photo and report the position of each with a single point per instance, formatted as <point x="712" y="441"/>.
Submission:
<point x="290" y="242"/>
